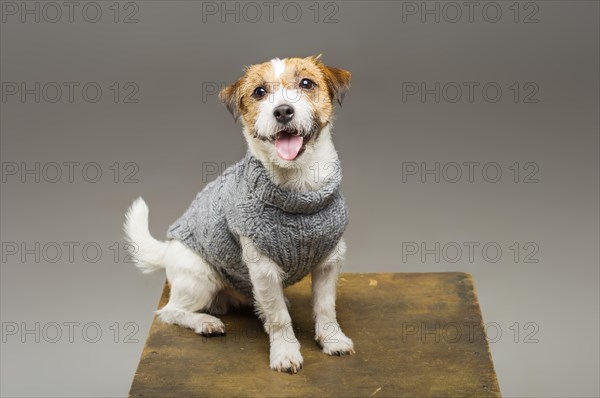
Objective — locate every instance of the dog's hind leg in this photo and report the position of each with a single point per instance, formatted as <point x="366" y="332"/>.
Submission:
<point x="194" y="285"/>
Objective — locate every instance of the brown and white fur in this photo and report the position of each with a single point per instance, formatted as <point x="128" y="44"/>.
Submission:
<point x="197" y="291"/>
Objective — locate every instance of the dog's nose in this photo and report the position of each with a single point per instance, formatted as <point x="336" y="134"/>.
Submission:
<point x="283" y="113"/>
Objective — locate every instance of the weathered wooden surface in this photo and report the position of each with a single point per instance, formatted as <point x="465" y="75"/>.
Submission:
<point x="415" y="334"/>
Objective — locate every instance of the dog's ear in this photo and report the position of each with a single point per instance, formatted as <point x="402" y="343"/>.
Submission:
<point x="232" y="98"/>
<point x="338" y="82"/>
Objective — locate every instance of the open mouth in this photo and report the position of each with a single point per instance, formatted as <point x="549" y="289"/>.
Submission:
<point x="290" y="144"/>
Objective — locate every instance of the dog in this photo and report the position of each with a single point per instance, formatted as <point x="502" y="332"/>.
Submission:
<point x="268" y="221"/>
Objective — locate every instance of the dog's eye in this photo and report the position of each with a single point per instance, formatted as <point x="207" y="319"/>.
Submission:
<point x="259" y="92"/>
<point x="306" y="84"/>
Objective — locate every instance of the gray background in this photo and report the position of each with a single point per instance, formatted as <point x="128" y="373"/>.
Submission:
<point x="172" y="133"/>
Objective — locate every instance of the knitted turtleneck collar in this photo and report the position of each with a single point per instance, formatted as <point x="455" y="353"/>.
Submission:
<point x="291" y="202"/>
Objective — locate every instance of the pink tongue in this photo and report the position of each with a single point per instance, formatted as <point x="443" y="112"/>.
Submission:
<point x="288" y="145"/>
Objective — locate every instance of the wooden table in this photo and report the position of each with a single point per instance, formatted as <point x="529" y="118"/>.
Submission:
<point x="415" y="334"/>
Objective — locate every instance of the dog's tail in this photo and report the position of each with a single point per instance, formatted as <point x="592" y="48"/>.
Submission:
<point x="148" y="252"/>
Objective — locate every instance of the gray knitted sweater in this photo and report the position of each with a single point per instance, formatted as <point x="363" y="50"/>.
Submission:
<point x="295" y="229"/>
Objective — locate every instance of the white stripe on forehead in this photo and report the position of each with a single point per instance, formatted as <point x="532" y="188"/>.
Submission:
<point x="278" y="66"/>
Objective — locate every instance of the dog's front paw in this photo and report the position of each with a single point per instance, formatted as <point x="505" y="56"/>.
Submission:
<point x="286" y="357"/>
<point x="209" y="326"/>
<point x="337" y="344"/>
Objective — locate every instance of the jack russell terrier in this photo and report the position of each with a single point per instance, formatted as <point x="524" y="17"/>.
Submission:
<point x="268" y="221"/>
